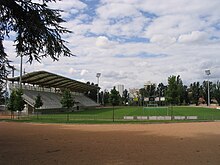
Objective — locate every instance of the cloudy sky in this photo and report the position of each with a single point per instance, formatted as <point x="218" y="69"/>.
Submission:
<point x="131" y="42"/>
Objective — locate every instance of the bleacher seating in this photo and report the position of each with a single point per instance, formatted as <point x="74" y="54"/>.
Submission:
<point x="52" y="100"/>
<point x="85" y="101"/>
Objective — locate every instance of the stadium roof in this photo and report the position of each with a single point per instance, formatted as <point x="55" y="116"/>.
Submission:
<point x="47" y="79"/>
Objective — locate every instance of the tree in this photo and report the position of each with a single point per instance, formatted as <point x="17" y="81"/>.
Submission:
<point x="114" y="97"/>
<point x="19" y="102"/>
<point x="106" y="97"/>
<point x="92" y="94"/>
<point x="160" y="91"/>
<point x="16" y="102"/>
<point x="38" y="32"/>
<point x="216" y="92"/>
<point x="125" y="96"/>
<point x="11" y="103"/>
<point x="37" y="27"/>
<point x="194" y="90"/>
<point x="4" y="66"/>
<point x="67" y="101"/>
<point x="185" y="95"/>
<point x="2" y="91"/>
<point x="38" y="102"/>
<point x="174" y="90"/>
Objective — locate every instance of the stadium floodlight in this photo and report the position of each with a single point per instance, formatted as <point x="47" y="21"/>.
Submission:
<point x="98" y="75"/>
<point x="20" y="80"/>
<point x="208" y="72"/>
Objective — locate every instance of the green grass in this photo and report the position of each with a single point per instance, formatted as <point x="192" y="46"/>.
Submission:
<point x="105" y="115"/>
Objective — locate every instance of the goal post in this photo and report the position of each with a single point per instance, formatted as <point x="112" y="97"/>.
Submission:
<point x="155" y="109"/>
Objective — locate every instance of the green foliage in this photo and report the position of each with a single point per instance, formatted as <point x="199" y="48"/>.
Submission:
<point x="16" y="102"/>
<point x="4" y="66"/>
<point x="161" y="88"/>
<point x="106" y="97"/>
<point x="19" y="102"/>
<point x="38" y="101"/>
<point x="92" y="95"/>
<point x="11" y="103"/>
<point x="175" y="90"/>
<point x="37" y="27"/>
<point x="148" y="91"/>
<point x="67" y="100"/>
<point x="114" y="98"/>
<point x="216" y="92"/>
<point x="195" y="91"/>
<point x="125" y="96"/>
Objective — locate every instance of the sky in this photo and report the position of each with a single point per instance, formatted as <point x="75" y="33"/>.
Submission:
<point x="131" y="42"/>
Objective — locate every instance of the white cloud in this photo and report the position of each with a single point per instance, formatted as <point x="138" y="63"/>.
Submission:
<point x="116" y="10"/>
<point x="195" y="36"/>
<point x="187" y="32"/>
<point x="72" y="71"/>
<point x="163" y="40"/>
<point x="68" y="6"/>
<point x="83" y="72"/>
<point x="103" y="42"/>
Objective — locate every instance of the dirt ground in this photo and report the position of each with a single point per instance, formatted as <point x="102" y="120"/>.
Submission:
<point x="49" y="144"/>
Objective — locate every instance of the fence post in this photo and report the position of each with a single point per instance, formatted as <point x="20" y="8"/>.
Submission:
<point x="67" y="117"/>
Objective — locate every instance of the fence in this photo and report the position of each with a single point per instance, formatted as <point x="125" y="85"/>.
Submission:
<point x="120" y="114"/>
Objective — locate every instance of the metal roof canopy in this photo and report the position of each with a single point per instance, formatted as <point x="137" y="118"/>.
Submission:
<point x="47" y="79"/>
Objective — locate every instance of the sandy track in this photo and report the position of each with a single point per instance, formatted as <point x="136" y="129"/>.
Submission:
<point x="45" y="144"/>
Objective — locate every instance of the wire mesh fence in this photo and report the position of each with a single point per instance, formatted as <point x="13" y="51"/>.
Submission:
<point x="120" y="114"/>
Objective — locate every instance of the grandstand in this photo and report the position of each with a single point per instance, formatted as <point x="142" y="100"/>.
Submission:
<point x="50" y="86"/>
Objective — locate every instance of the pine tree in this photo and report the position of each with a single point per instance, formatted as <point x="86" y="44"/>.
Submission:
<point x="37" y="27"/>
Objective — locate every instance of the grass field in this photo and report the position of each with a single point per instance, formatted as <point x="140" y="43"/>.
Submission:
<point x="105" y="115"/>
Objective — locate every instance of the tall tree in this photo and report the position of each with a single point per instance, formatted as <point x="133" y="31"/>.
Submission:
<point x="160" y="91"/>
<point x="106" y="97"/>
<point x="67" y="100"/>
<point x="125" y="96"/>
<point x="4" y="67"/>
<point x="174" y="90"/>
<point x="195" y="92"/>
<point x="11" y="103"/>
<point x="16" y="102"/>
<point x="38" y="103"/>
<point x="92" y="94"/>
<point x="114" y="97"/>
<point x="216" y="92"/>
<point x="19" y="102"/>
<point x="38" y="32"/>
<point x="37" y="27"/>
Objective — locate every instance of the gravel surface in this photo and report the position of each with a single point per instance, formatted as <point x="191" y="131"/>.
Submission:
<point x="49" y="144"/>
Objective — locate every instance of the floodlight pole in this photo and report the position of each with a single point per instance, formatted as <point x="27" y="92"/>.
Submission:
<point x="208" y="73"/>
<point x="98" y="75"/>
<point x="20" y="80"/>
